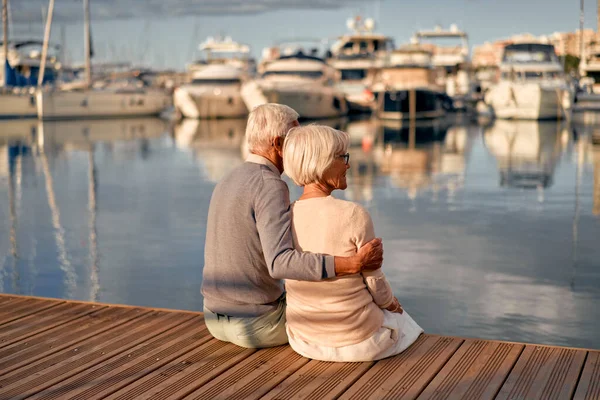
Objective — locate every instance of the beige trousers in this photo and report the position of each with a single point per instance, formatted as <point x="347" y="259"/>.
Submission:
<point x="267" y="330"/>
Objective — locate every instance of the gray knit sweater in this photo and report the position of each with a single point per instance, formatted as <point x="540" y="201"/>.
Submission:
<point x="249" y="247"/>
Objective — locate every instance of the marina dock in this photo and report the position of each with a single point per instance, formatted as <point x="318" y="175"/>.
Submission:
<point x="58" y="349"/>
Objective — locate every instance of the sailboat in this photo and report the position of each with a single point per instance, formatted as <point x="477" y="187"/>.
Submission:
<point x="93" y="102"/>
<point x="19" y="73"/>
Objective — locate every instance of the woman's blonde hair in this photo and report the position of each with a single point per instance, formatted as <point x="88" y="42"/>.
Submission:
<point x="309" y="150"/>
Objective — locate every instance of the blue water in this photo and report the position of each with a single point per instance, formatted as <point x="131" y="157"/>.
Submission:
<point x="490" y="230"/>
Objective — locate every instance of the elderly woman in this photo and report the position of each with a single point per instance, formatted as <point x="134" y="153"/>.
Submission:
<point x="349" y="318"/>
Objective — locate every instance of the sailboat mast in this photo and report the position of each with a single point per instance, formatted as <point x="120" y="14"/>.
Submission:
<point x="5" y="28"/>
<point x="47" y="32"/>
<point x="87" y="42"/>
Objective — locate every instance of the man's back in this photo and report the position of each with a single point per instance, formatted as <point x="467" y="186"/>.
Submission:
<point x="236" y="280"/>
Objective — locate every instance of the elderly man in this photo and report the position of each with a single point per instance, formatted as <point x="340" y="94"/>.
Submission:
<point x="249" y="247"/>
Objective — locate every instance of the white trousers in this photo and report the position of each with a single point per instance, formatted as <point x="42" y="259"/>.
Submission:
<point x="395" y="335"/>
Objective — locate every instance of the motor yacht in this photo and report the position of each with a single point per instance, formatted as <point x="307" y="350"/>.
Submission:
<point x="215" y="81"/>
<point x="532" y="84"/>
<point x="357" y="56"/>
<point x="452" y="63"/>
<point x="404" y="88"/>
<point x="302" y="81"/>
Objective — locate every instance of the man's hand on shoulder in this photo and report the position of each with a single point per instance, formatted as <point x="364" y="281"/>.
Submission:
<point x="368" y="258"/>
<point x="371" y="255"/>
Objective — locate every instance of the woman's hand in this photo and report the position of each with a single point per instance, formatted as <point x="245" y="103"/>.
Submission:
<point x="395" y="307"/>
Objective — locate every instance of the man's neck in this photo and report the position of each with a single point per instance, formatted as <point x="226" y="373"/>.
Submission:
<point x="273" y="157"/>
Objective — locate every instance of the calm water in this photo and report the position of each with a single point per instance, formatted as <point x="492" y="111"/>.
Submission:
<point x="489" y="231"/>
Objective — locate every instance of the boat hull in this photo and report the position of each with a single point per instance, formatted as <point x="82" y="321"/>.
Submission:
<point x="17" y="106"/>
<point x="313" y="103"/>
<point x="209" y="103"/>
<point x="395" y="104"/>
<point x="52" y="105"/>
<point x="528" y="101"/>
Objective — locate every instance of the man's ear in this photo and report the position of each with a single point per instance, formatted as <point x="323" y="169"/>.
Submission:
<point x="278" y="144"/>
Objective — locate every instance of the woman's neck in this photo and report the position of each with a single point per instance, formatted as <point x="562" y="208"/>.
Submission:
<point x="315" y="190"/>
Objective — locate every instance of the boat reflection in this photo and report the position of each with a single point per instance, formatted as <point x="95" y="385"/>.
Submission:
<point x="424" y="155"/>
<point x="30" y="148"/>
<point x="217" y="145"/>
<point x="526" y="151"/>
<point x="120" y="137"/>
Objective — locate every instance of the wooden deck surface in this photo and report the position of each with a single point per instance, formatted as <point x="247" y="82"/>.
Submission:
<point x="55" y="349"/>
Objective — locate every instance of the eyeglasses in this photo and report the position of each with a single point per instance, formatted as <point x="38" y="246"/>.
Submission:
<point x="346" y="158"/>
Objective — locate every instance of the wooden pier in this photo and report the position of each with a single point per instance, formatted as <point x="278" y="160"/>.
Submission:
<point x="56" y="349"/>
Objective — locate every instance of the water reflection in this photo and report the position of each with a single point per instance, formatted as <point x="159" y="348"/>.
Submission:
<point x="30" y="150"/>
<point x="217" y="145"/>
<point x="428" y="155"/>
<point x="526" y="151"/>
<point x="115" y="211"/>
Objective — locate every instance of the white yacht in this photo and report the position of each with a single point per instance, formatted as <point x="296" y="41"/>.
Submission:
<point x="532" y="84"/>
<point x="404" y="88"/>
<point x="19" y="77"/>
<point x="357" y="55"/>
<point x="214" y="90"/>
<point x="304" y="82"/>
<point x="452" y="63"/>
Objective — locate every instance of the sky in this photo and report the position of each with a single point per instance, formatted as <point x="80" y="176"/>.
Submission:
<point x="169" y="39"/>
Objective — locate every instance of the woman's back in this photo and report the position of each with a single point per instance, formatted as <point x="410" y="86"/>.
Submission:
<point x="333" y="312"/>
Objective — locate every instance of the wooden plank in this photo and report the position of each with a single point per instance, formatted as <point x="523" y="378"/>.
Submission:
<point x="476" y="371"/>
<point x="22" y="308"/>
<point x="110" y="376"/>
<point x="185" y="374"/>
<point x="405" y="376"/>
<point x="11" y="303"/>
<point x="319" y="380"/>
<point x="589" y="382"/>
<point x="22" y="353"/>
<point x="42" y="321"/>
<point x="5" y="298"/>
<point x="254" y="376"/>
<point x="42" y="374"/>
<point x="545" y="373"/>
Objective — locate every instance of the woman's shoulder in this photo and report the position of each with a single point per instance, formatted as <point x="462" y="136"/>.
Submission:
<point x="350" y="207"/>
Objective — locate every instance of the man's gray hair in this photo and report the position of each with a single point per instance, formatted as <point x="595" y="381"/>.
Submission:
<point x="266" y="122"/>
<point x="309" y="150"/>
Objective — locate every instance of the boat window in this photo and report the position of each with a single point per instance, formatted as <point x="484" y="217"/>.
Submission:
<point x="595" y="75"/>
<point x="519" y="56"/>
<point x="363" y="46"/>
<point x="353" y="74"/>
<point x="303" y="74"/>
<point x="533" y="75"/>
<point x="553" y="74"/>
<point x="348" y="46"/>
<point x="216" y="81"/>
